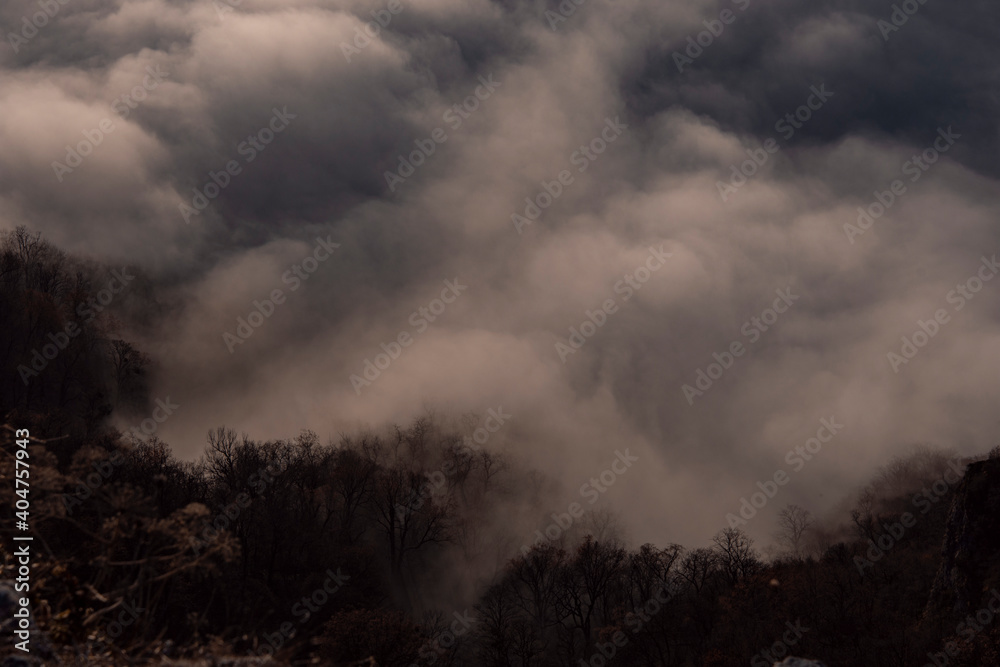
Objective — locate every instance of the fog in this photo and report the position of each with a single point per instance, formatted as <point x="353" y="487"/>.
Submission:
<point x="377" y="197"/>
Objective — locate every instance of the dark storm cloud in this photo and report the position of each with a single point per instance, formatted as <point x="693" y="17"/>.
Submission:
<point x="609" y="64"/>
<point x="939" y="66"/>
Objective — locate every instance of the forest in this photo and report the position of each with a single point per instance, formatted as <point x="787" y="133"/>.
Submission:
<point x="411" y="544"/>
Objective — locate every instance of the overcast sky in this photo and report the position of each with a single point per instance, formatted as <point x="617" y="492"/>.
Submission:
<point x="628" y="136"/>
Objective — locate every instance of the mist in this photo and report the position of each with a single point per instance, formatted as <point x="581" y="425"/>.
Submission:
<point x="494" y="182"/>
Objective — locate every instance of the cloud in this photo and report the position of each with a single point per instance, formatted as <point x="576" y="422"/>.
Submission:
<point x="655" y="184"/>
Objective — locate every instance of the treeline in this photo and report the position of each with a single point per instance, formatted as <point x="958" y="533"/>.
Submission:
<point x="60" y="355"/>
<point x="404" y="546"/>
<point x="356" y="549"/>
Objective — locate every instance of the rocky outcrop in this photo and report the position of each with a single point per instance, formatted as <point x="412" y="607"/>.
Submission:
<point x="970" y="567"/>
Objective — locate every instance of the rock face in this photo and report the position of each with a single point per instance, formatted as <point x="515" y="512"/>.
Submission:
<point x="970" y="567"/>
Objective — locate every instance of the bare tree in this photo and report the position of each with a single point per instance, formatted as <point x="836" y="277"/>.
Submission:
<point x="492" y="465"/>
<point x="737" y="556"/>
<point x="498" y="617"/>
<point x="588" y="585"/>
<point x="535" y="577"/>
<point x="351" y="480"/>
<point x="794" y="522"/>
<point x="129" y="365"/>
<point x="407" y="519"/>
<point x="698" y="566"/>
<point x="652" y="570"/>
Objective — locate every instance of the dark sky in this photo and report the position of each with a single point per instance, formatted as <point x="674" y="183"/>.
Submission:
<point x="669" y="138"/>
